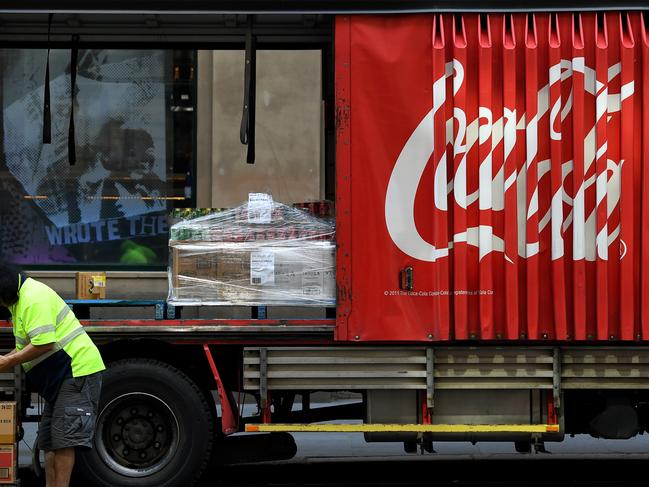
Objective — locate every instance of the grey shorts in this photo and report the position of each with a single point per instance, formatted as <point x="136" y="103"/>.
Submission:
<point x="70" y="421"/>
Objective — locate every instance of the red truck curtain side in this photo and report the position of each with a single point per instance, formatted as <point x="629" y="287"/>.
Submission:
<point x="493" y="177"/>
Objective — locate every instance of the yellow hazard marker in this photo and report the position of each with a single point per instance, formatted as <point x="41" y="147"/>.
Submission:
<point x="403" y="428"/>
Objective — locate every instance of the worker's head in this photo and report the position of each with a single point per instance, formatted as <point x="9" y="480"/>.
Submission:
<point x="9" y="283"/>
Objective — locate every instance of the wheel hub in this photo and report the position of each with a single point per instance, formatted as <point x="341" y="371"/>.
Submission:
<point x="139" y="433"/>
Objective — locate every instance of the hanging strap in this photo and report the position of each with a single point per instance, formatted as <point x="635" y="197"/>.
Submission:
<point x="47" y="114"/>
<point x="74" y="54"/>
<point x="247" y="132"/>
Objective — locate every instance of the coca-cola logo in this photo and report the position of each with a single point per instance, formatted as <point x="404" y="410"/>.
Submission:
<point x="450" y="177"/>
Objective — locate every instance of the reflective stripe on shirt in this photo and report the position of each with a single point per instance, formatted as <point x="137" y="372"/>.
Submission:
<point x="40" y="330"/>
<point x="62" y="314"/>
<point x="66" y="340"/>
<point x="71" y="336"/>
<point x="23" y="342"/>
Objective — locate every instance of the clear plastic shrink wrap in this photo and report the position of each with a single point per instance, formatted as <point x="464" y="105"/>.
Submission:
<point x="260" y="253"/>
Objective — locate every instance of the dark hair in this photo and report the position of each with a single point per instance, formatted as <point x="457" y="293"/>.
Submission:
<point x="8" y="284"/>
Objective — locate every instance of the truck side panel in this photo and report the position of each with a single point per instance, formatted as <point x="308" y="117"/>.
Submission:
<point x="495" y="183"/>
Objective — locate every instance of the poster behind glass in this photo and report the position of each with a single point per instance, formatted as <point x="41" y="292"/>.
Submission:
<point x="108" y="208"/>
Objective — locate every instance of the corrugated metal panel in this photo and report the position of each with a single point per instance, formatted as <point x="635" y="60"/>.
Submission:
<point x="396" y="368"/>
<point x="327" y="368"/>
<point x="320" y="368"/>
<point x="605" y="369"/>
<point x="503" y="159"/>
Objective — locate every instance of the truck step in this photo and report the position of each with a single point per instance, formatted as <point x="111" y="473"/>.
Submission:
<point x="402" y="428"/>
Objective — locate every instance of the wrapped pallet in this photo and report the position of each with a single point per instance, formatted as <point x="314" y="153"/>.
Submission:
<point x="260" y="253"/>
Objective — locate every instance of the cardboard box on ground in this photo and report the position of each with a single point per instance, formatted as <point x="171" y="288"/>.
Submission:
<point x="238" y="257"/>
<point x="8" y="457"/>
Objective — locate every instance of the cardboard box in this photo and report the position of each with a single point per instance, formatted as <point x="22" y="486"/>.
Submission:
<point x="8" y="442"/>
<point x="8" y="459"/>
<point x="7" y="422"/>
<point x="193" y="272"/>
<point x="91" y="285"/>
<point x="251" y="274"/>
<point x="278" y="275"/>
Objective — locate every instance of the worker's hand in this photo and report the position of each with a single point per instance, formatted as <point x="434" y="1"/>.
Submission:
<point x="5" y="363"/>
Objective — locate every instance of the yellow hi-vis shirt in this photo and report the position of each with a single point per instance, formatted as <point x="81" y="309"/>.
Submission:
<point x="40" y="317"/>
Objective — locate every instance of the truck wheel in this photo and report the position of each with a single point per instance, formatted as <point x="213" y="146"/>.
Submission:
<point x="154" y="429"/>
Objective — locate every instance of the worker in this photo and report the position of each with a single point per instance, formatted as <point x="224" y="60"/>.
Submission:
<point x="62" y="364"/>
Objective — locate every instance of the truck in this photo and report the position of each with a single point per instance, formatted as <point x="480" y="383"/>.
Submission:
<point x="489" y="170"/>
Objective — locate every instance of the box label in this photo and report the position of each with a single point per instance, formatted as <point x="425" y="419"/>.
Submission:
<point x="312" y="283"/>
<point x="7" y="464"/>
<point x="98" y="281"/>
<point x="260" y="208"/>
<point x="262" y="268"/>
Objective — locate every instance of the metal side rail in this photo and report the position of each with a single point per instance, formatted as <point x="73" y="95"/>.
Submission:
<point x="202" y="330"/>
<point x="82" y="307"/>
<point x="211" y="330"/>
<point x="203" y="7"/>
<point x="448" y="368"/>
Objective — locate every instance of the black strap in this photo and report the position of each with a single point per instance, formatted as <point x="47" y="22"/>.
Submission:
<point x="47" y="113"/>
<point x="74" y="54"/>
<point x="247" y="131"/>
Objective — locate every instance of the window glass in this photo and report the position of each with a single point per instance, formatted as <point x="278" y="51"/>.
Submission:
<point x="133" y="119"/>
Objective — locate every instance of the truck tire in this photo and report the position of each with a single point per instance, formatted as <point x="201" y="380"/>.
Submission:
<point x="154" y="429"/>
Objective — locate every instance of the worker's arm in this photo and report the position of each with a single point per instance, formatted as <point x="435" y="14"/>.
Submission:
<point x="27" y="354"/>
